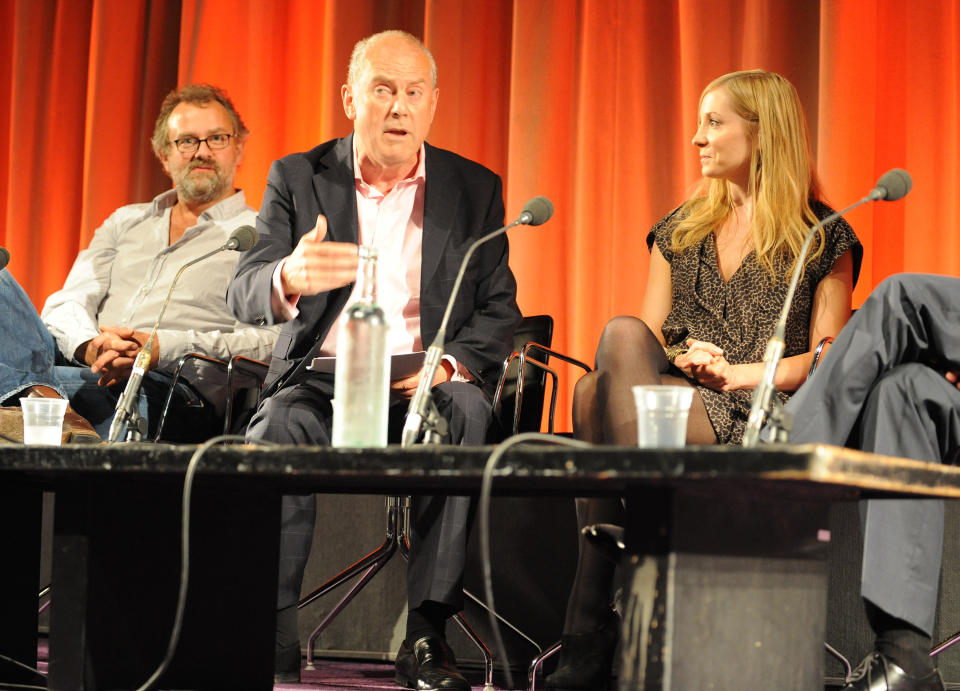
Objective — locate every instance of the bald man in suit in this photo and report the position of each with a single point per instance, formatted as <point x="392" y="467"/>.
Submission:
<point x="421" y="207"/>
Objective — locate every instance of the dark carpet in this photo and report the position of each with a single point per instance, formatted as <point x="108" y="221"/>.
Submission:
<point x="328" y="674"/>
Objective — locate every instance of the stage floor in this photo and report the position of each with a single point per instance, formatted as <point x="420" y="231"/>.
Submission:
<point x="376" y="676"/>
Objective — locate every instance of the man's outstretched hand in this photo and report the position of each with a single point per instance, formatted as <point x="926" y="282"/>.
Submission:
<point x="316" y="266"/>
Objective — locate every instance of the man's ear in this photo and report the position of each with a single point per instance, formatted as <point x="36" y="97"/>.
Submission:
<point x="433" y="107"/>
<point x="164" y="162"/>
<point x="349" y="107"/>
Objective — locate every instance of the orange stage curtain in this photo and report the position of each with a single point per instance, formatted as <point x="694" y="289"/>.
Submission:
<point x="590" y="102"/>
<point x="84" y="83"/>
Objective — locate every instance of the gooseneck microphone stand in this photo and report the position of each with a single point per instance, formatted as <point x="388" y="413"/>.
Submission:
<point x="422" y="413"/>
<point x="127" y="413"/>
<point x="892" y="185"/>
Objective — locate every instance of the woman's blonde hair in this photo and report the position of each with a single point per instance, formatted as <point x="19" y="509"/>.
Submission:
<point x="782" y="179"/>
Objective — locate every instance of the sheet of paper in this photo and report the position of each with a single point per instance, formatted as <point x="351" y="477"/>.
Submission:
<point x="401" y="366"/>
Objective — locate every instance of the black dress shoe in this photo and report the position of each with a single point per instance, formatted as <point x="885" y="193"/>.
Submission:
<point x="877" y="672"/>
<point x="428" y="665"/>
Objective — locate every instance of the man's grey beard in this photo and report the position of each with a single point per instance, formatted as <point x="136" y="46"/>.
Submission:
<point x="202" y="189"/>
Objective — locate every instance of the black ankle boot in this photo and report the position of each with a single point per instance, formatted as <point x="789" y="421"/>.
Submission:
<point x="586" y="659"/>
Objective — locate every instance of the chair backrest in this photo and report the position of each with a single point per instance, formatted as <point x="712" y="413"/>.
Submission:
<point x="536" y="329"/>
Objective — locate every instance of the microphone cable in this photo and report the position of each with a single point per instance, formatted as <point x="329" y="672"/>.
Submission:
<point x="20" y="685"/>
<point x="486" y="488"/>
<point x="192" y="468"/>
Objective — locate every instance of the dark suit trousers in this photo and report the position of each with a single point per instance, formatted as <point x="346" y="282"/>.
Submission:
<point x="881" y="388"/>
<point x="439" y="526"/>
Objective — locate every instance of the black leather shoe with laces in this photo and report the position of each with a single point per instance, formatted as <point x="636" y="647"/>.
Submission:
<point x="428" y="665"/>
<point x="877" y="672"/>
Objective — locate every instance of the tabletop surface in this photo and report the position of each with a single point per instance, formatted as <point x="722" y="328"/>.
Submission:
<point x="524" y="468"/>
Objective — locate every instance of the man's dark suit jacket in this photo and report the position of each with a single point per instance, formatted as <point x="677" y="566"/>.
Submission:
<point x="462" y="202"/>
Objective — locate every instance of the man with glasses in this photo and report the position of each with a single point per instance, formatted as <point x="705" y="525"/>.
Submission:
<point x="93" y="328"/>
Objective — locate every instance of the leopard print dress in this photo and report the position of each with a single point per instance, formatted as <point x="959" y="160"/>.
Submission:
<point x="739" y="315"/>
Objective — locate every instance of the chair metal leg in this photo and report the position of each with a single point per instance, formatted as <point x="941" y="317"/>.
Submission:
<point x="484" y="650"/>
<point x="381" y="553"/>
<point x="398" y="513"/>
<point x="43" y="593"/>
<point x="537" y="663"/>
<point x="847" y="669"/>
<point x="345" y="600"/>
<point x="366" y="568"/>
<point x="503" y="620"/>
<point x="940" y="647"/>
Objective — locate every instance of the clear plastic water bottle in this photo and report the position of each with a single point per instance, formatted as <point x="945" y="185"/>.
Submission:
<point x="362" y="373"/>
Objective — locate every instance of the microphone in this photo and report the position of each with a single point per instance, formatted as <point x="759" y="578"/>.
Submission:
<point x="240" y="240"/>
<point x="892" y="185"/>
<point x="4" y="257"/>
<point x="535" y="212"/>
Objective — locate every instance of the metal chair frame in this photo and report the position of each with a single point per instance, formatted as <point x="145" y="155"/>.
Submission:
<point x="241" y="373"/>
<point x="524" y="358"/>
<point x="537" y="663"/>
<point x="398" y="516"/>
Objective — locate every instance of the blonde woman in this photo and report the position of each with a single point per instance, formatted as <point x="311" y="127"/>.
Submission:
<point x="719" y="269"/>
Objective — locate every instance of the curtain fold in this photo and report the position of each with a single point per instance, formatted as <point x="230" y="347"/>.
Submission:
<point x="77" y="117"/>
<point x="589" y="102"/>
<point x="48" y="82"/>
<point x="126" y="83"/>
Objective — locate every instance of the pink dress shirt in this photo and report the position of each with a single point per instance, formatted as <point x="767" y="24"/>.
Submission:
<point x="393" y="223"/>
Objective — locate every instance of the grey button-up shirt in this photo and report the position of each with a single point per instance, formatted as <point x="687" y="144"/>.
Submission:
<point x="123" y="277"/>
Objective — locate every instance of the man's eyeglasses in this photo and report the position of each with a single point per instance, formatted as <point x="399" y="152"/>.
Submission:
<point x="187" y="145"/>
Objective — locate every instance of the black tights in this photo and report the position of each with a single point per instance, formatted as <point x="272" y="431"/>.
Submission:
<point x="604" y="413"/>
<point x="628" y="355"/>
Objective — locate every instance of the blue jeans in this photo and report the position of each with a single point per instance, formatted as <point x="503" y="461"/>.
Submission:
<point x="29" y="357"/>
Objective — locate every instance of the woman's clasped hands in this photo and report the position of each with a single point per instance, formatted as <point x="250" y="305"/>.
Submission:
<point x="705" y="363"/>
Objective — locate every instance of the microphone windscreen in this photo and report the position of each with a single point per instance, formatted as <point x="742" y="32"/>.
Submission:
<point x="895" y="184"/>
<point x="540" y="210"/>
<point x="4" y="257"/>
<point x="243" y="238"/>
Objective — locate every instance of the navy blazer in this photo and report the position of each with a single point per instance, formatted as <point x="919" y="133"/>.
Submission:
<point x="462" y="202"/>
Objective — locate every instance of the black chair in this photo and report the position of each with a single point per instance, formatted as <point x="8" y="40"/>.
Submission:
<point x="243" y="378"/>
<point x="531" y="356"/>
